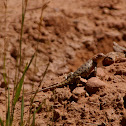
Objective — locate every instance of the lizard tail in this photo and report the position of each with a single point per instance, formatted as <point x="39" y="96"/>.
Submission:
<point x="53" y="87"/>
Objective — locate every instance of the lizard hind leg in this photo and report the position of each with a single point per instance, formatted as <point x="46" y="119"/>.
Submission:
<point x="93" y="73"/>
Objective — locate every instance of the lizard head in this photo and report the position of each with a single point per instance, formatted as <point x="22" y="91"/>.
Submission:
<point x="99" y="57"/>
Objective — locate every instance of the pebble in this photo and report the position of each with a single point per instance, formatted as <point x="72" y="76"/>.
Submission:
<point x="94" y="84"/>
<point x="112" y="57"/>
<point x="100" y="72"/>
<point x="83" y="80"/>
<point x="63" y="94"/>
<point x="79" y="91"/>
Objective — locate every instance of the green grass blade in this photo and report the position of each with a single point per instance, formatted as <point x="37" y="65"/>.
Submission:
<point x="32" y="99"/>
<point x="19" y="86"/>
<point x="40" y="82"/>
<point x="24" y="6"/>
<point x="22" y="108"/>
<point x="33" y="121"/>
<point x="1" y="122"/>
<point x="8" y="120"/>
<point x="33" y="116"/>
<point x="17" y="94"/>
<point x="40" y="106"/>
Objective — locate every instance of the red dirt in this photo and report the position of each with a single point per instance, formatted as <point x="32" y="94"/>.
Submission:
<point x="71" y="33"/>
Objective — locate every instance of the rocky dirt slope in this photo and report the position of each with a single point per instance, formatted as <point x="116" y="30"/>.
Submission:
<point x="71" y="33"/>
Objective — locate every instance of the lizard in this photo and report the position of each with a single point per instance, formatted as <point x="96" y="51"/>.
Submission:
<point x="83" y="71"/>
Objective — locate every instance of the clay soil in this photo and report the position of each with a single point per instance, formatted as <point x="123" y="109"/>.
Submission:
<point x="72" y="31"/>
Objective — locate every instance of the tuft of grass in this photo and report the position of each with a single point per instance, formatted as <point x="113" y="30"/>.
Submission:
<point x="44" y="6"/>
<point x="32" y="99"/>
<point x="18" y="82"/>
<point x="22" y="108"/>
<point x="19" y="87"/>
<point x="10" y="115"/>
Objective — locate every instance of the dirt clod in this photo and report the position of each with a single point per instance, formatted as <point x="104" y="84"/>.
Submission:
<point x="70" y="33"/>
<point x="94" y="84"/>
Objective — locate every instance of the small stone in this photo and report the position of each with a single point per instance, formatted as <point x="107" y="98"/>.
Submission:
<point x="100" y="72"/>
<point x="83" y="80"/>
<point x="86" y="94"/>
<point x="106" y="11"/>
<point x="63" y="94"/>
<point x="112" y="57"/>
<point x="79" y="91"/>
<point x="94" y="84"/>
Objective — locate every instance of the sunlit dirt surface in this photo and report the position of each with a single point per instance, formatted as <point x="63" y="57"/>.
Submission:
<point x="72" y="31"/>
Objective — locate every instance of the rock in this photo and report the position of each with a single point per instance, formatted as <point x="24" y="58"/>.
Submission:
<point x="112" y="57"/>
<point x="79" y="91"/>
<point x="83" y="80"/>
<point x="106" y="11"/>
<point x="100" y="72"/>
<point x="93" y="85"/>
<point x="63" y="94"/>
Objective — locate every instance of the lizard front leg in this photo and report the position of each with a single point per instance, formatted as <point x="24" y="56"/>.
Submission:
<point x="95" y="71"/>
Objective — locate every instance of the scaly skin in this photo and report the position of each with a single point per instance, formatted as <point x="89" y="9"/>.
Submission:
<point x="83" y="72"/>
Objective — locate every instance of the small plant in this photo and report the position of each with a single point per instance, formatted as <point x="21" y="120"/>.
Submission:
<point x="18" y="82"/>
